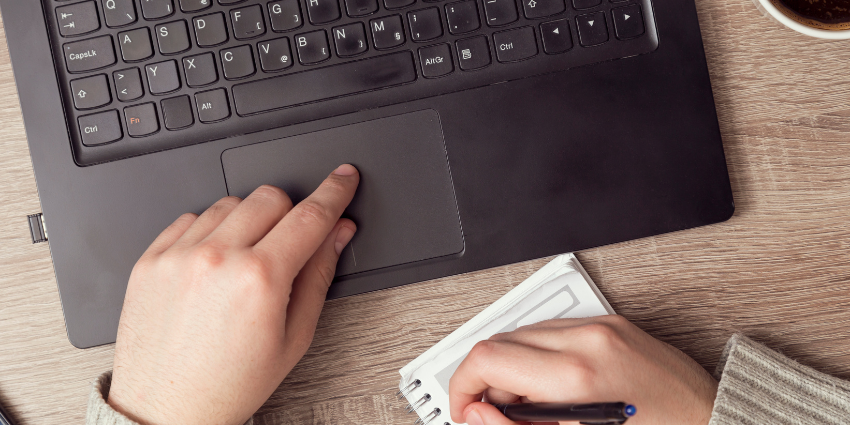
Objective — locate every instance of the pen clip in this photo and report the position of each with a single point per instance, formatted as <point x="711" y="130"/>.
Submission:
<point x="614" y="422"/>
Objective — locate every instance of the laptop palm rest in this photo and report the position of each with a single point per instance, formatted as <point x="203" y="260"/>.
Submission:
<point x="405" y="207"/>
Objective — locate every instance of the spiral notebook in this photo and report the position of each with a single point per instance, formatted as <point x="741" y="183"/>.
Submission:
<point x="561" y="289"/>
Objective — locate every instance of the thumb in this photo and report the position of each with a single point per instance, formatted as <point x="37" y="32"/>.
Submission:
<point x="485" y="414"/>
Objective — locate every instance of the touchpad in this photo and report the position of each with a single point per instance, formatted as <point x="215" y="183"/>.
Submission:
<point x="405" y="207"/>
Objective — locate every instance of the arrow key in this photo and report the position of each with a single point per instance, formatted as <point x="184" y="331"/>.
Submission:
<point x="592" y="29"/>
<point x="128" y="84"/>
<point x="91" y="92"/>
<point x="628" y="21"/>
<point x="556" y="36"/>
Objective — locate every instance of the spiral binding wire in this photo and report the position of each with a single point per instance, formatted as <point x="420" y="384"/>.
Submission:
<point x="430" y="417"/>
<point x="412" y="407"/>
<point x="402" y="393"/>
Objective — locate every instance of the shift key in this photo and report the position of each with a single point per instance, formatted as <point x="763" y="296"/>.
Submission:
<point x="88" y="55"/>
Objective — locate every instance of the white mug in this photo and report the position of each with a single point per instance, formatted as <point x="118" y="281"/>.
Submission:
<point x="803" y="25"/>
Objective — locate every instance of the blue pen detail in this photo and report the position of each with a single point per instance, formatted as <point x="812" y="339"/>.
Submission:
<point x="630" y="410"/>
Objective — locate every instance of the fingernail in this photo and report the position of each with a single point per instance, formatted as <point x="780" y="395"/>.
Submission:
<point x="343" y="237"/>
<point x="473" y="418"/>
<point x="345" y="170"/>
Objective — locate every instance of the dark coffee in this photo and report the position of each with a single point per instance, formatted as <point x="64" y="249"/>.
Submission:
<point x="826" y="11"/>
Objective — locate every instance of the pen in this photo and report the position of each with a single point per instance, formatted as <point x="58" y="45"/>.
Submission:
<point x="4" y="419"/>
<point x="593" y="413"/>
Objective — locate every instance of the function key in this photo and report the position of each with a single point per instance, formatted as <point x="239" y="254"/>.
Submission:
<point x="128" y="84"/>
<point x="556" y="36"/>
<point x="177" y="112"/>
<point x="592" y="29"/>
<point x="135" y="45"/>
<point x="275" y="54"/>
<point x="119" y="12"/>
<point x="141" y="120"/>
<point x="285" y="15"/>
<point x="357" y="8"/>
<point x="173" y="37"/>
<point x="237" y="62"/>
<point x="157" y="9"/>
<point x="462" y="17"/>
<point x="398" y="4"/>
<point x="248" y="22"/>
<point x="500" y="12"/>
<point x="586" y="4"/>
<point x="162" y="77"/>
<point x="473" y="53"/>
<point x="210" y="30"/>
<point x="425" y="24"/>
<point x="77" y="19"/>
<point x="322" y="11"/>
<point x="194" y="5"/>
<point x="387" y="32"/>
<point x="436" y="60"/>
<point x="88" y="55"/>
<point x="515" y="45"/>
<point x="312" y="47"/>
<point x="212" y="105"/>
<point x="628" y="21"/>
<point x="350" y="40"/>
<point x="542" y="8"/>
<point x="91" y="92"/>
<point x="100" y="128"/>
<point x="200" y="70"/>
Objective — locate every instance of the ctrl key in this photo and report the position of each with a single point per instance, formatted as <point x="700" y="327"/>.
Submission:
<point x="100" y="128"/>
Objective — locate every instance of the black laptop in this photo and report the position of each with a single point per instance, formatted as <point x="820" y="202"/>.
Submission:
<point x="486" y="132"/>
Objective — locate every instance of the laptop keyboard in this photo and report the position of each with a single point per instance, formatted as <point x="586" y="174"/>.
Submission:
<point x="141" y="76"/>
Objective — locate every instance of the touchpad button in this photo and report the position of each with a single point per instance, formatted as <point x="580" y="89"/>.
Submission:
<point x="405" y="207"/>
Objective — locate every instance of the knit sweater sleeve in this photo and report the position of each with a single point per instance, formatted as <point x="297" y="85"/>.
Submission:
<point x="760" y="386"/>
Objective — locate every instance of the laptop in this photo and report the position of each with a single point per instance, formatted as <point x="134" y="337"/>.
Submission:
<point x="487" y="132"/>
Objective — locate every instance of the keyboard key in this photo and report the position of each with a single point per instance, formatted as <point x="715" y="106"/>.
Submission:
<point x="515" y="45"/>
<point x="119" y="13"/>
<point x="100" y="128"/>
<point x="436" y="60"/>
<point x="128" y="84"/>
<point x="212" y="105"/>
<point x="91" y="92"/>
<point x="248" y="22"/>
<point x="425" y="24"/>
<point x="88" y="55"/>
<point x="162" y="77"/>
<point x="226" y="2"/>
<point x="141" y="120"/>
<point x="500" y="12"/>
<point x="312" y="47"/>
<point x="592" y="29"/>
<point x="586" y="4"/>
<point x="77" y="19"/>
<point x="285" y="15"/>
<point x="177" y="112"/>
<point x="322" y="11"/>
<point x="173" y="37"/>
<point x="398" y="4"/>
<point x="275" y="55"/>
<point x="556" y="36"/>
<point x="157" y="9"/>
<point x="473" y="53"/>
<point x="542" y="8"/>
<point x="194" y="5"/>
<point x="237" y="62"/>
<point x="357" y="8"/>
<point x="200" y="70"/>
<point x="135" y="45"/>
<point x="210" y="30"/>
<point x="350" y="40"/>
<point x="628" y="21"/>
<point x="387" y="32"/>
<point x="462" y="17"/>
<point x="324" y="83"/>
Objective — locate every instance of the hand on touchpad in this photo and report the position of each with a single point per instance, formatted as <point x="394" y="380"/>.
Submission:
<point x="405" y="207"/>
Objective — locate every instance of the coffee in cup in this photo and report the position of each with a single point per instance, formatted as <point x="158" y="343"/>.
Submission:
<point x="830" y="15"/>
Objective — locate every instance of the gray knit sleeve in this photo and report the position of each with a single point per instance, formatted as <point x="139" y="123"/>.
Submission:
<point x="760" y="386"/>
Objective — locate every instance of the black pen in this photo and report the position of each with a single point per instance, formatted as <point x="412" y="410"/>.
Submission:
<point x="593" y="413"/>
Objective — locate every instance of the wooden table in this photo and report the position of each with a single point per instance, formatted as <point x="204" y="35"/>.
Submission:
<point x="778" y="271"/>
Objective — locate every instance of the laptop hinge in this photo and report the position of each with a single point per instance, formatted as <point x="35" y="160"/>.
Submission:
<point x="37" y="228"/>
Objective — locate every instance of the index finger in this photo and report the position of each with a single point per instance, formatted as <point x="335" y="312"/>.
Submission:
<point x="507" y="366"/>
<point x="295" y="238"/>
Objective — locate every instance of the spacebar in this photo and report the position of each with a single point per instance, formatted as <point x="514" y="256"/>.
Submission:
<point x="324" y="83"/>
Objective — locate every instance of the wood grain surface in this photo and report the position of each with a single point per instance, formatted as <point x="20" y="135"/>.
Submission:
<point x="778" y="271"/>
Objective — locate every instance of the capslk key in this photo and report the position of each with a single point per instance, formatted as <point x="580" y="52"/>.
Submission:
<point x="88" y="55"/>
